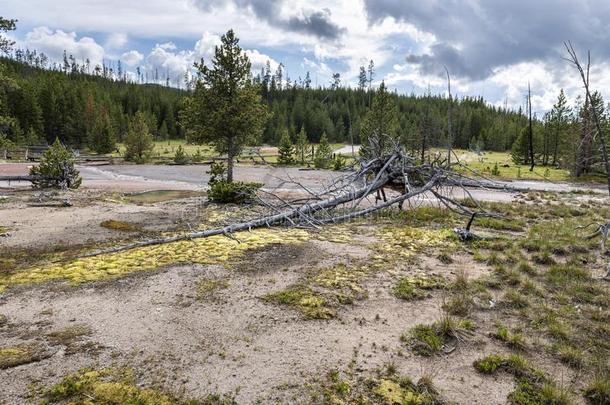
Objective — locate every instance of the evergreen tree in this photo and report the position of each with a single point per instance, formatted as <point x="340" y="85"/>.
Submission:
<point x="6" y="25"/>
<point x="181" y="158"/>
<point x="520" y="149"/>
<point x="301" y="146"/>
<point x="587" y="149"/>
<point x="8" y="124"/>
<point x="163" y="132"/>
<point x="102" y="139"/>
<point x="225" y="108"/>
<point x="362" y="80"/>
<point x="139" y="142"/>
<point x="285" y="150"/>
<point x="559" y="117"/>
<point x="56" y="168"/>
<point x="324" y="153"/>
<point x="379" y="129"/>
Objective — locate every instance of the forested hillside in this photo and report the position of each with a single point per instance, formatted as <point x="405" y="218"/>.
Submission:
<point x="333" y="110"/>
<point x="85" y="109"/>
<point x="81" y="109"/>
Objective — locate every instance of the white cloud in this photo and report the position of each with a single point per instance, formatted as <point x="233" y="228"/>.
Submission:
<point x="53" y="44"/>
<point x="204" y="48"/>
<point x="168" y="46"/>
<point x="168" y="63"/>
<point x="322" y="73"/>
<point x="132" y="58"/>
<point x="116" y="41"/>
<point x="259" y="60"/>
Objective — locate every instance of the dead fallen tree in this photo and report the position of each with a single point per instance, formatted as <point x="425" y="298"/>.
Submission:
<point x="21" y="178"/>
<point x="341" y="200"/>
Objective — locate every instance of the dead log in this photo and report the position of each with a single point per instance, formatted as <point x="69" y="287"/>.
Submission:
<point x="22" y="178"/>
<point x="396" y="171"/>
<point x="287" y="216"/>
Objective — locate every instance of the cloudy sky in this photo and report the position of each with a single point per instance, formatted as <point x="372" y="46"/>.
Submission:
<point x="492" y="48"/>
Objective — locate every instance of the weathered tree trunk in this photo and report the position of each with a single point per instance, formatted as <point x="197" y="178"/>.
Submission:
<point x="449" y="133"/>
<point x="556" y="147"/>
<point x="596" y="119"/>
<point x="230" y="160"/>
<point x="531" y="131"/>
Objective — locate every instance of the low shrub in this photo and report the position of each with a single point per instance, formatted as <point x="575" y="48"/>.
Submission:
<point x="235" y="192"/>
<point x="56" y="169"/>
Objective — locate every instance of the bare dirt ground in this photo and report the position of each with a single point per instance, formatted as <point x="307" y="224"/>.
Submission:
<point x="192" y="341"/>
<point x="231" y="343"/>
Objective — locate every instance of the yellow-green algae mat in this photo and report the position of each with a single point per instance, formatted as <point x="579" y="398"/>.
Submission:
<point x="205" y="251"/>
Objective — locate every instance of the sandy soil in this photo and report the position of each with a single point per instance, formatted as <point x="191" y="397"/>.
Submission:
<point x="233" y="341"/>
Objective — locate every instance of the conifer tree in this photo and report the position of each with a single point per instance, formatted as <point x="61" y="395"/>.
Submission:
<point x="301" y="146"/>
<point x="181" y="158"/>
<point x="285" y="150"/>
<point x="362" y="79"/>
<point x="7" y="123"/>
<point x="102" y="138"/>
<point x="225" y="108"/>
<point x="139" y="141"/>
<point x="5" y="26"/>
<point x="520" y="149"/>
<point x="379" y="129"/>
<point x="559" y="117"/>
<point x="324" y="153"/>
<point x="56" y="169"/>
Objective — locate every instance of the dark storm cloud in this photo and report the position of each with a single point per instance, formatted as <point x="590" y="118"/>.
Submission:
<point x="316" y="23"/>
<point x="476" y="36"/>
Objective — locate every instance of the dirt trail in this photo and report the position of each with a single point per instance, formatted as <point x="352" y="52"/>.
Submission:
<point x="128" y="178"/>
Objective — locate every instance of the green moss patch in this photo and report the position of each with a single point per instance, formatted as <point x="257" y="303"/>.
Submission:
<point x="68" y="335"/>
<point x="208" y="287"/>
<point x="115" y="386"/>
<point x="417" y="287"/>
<point x="302" y="298"/>
<point x="120" y="226"/>
<point x="22" y="354"/>
<point x="386" y="387"/>
<point x="212" y="250"/>
<point x="319" y="296"/>
<point x="403" y="242"/>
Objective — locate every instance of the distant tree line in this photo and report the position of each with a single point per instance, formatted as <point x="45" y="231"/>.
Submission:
<point x="80" y="109"/>
<point x="339" y="112"/>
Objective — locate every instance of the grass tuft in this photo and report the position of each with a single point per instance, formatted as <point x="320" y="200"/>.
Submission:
<point x="598" y="391"/>
<point x="417" y="287"/>
<point x="208" y="287"/>
<point x="428" y="340"/>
